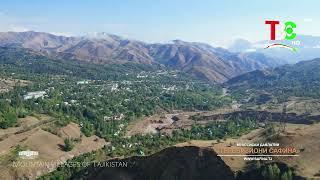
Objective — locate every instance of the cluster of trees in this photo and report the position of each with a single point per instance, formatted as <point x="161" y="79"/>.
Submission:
<point x="69" y="144"/>
<point x="8" y="115"/>
<point x="149" y="144"/>
<point x="268" y="171"/>
<point x="218" y="130"/>
<point x="273" y="172"/>
<point x="11" y="108"/>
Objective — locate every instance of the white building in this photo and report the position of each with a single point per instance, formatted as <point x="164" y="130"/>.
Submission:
<point x="115" y="117"/>
<point x="83" y="82"/>
<point x="34" y="95"/>
<point x="112" y="87"/>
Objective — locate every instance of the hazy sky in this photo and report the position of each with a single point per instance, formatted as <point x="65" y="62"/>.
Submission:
<point x="211" y="21"/>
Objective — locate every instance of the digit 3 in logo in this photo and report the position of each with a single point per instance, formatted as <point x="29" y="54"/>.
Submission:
<point x="289" y="26"/>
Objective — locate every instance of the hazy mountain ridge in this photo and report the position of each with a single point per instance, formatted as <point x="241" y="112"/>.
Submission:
<point x="300" y="79"/>
<point x="307" y="48"/>
<point x="198" y="59"/>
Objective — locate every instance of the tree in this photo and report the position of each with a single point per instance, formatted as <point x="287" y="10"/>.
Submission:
<point x="68" y="144"/>
<point x="289" y="174"/>
<point x="284" y="176"/>
<point x="276" y="171"/>
<point x="8" y="120"/>
<point x="257" y="165"/>
<point x="271" y="174"/>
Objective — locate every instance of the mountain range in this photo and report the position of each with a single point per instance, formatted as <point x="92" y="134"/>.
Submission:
<point x="198" y="59"/>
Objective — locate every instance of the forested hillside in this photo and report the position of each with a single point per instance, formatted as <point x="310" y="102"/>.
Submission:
<point x="301" y="79"/>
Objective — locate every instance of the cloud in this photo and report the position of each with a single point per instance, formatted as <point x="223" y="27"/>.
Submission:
<point x="307" y="20"/>
<point x="66" y="34"/>
<point x="316" y="47"/>
<point x="250" y="50"/>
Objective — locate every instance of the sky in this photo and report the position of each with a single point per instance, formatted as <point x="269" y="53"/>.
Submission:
<point x="209" y="21"/>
